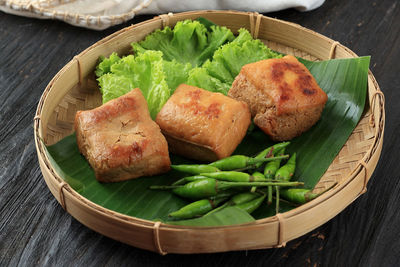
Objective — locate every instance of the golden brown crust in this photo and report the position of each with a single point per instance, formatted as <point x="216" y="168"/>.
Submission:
<point x="211" y="121"/>
<point x="284" y="98"/>
<point x="120" y="140"/>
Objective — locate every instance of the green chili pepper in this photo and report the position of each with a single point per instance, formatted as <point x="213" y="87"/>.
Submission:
<point x="239" y="162"/>
<point x="210" y="187"/>
<point x="252" y="205"/>
<point x="270" y="170"/>
<point x="198" y="189"/>
<point x="236" y="200"/>
<point x="301" y="195"/>
<point x="259" y="176"/>
<point x="195" y="168"/>
<point x="298" y="195"/>
<point x="197" y="208"/>
<point x="269" y="151"/>
<point x="225" y="194"/>
<point x="286" y="172"/>
<point x="272" y="166"/>
<point x="234" y="176"/>
<point x="184" y="180"/>
<point x="243" y="198"/>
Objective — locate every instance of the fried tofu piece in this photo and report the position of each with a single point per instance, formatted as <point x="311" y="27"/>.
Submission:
<point x="121" y="141"/>
<point x="203" y="125"/>
<point x="283" y="96"/>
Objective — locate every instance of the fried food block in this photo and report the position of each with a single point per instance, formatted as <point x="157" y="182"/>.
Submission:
<point x="283" y="96"/>
<point x="120" y="140"/>
<point x="203" y="125"/>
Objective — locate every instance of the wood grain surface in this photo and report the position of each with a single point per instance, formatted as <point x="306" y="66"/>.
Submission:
<point x="36" y="231"/>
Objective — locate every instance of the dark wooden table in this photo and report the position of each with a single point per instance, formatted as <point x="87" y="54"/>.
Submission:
<point x="35" y="230"/>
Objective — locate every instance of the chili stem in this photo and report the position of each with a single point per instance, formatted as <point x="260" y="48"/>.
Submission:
<point x="288" y="202"/>
<point x="270" y="159"/>
<point x="217" y="209"/>
<point x="269" y="201"/>
<point x="238" y="184"/>
<point x="277" y="200"/>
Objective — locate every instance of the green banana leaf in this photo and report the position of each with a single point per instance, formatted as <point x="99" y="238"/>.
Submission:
<point x="345" y="82"/>
<point x="227" y="216"/>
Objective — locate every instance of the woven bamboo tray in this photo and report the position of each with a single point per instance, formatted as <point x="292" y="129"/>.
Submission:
<point x="74" y="88"/>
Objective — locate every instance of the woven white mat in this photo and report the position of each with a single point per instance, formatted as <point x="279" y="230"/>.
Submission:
<point x="101" y="14"/>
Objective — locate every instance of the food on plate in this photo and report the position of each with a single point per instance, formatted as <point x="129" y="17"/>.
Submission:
<point x="231" y="163"/>
<point x="203" y="125"/>
<point x="120" y="140"/>
<point x="240" y="162"/>
<point x="197" y="208"/>
<point x="187" y="179"/>
<point x="158" y="66"/>
<point x="234" y="176"/>
<point x="286" y="172"/>
<point x="271" y="168"/>
<point x="213" y="191"/>
<point x="209" y="187"/>
<point x="283" y="96"/>
<point x="251" y="205"/>
<point x="245" y="201"/>
<point x="194" y="169"/>
<point x="298" y="195"/>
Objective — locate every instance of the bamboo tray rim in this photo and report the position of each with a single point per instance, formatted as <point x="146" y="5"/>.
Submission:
<point x="376" y="104"/>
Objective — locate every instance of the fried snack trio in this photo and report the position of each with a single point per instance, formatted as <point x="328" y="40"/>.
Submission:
<point x="121" y="141"/>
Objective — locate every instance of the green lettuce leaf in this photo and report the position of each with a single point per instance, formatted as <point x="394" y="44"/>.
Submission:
<point x="145" y="71"/>
<point x="113" y="86"/>
<point x="218" y="74"/>
<point x="188" y="42"/>
<point x="176" y="73"/>
<point x="105" y="64"/>
<point x="230" y="58"/>
<point x="199" y="77"/>
<point x="206" y="22"/>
